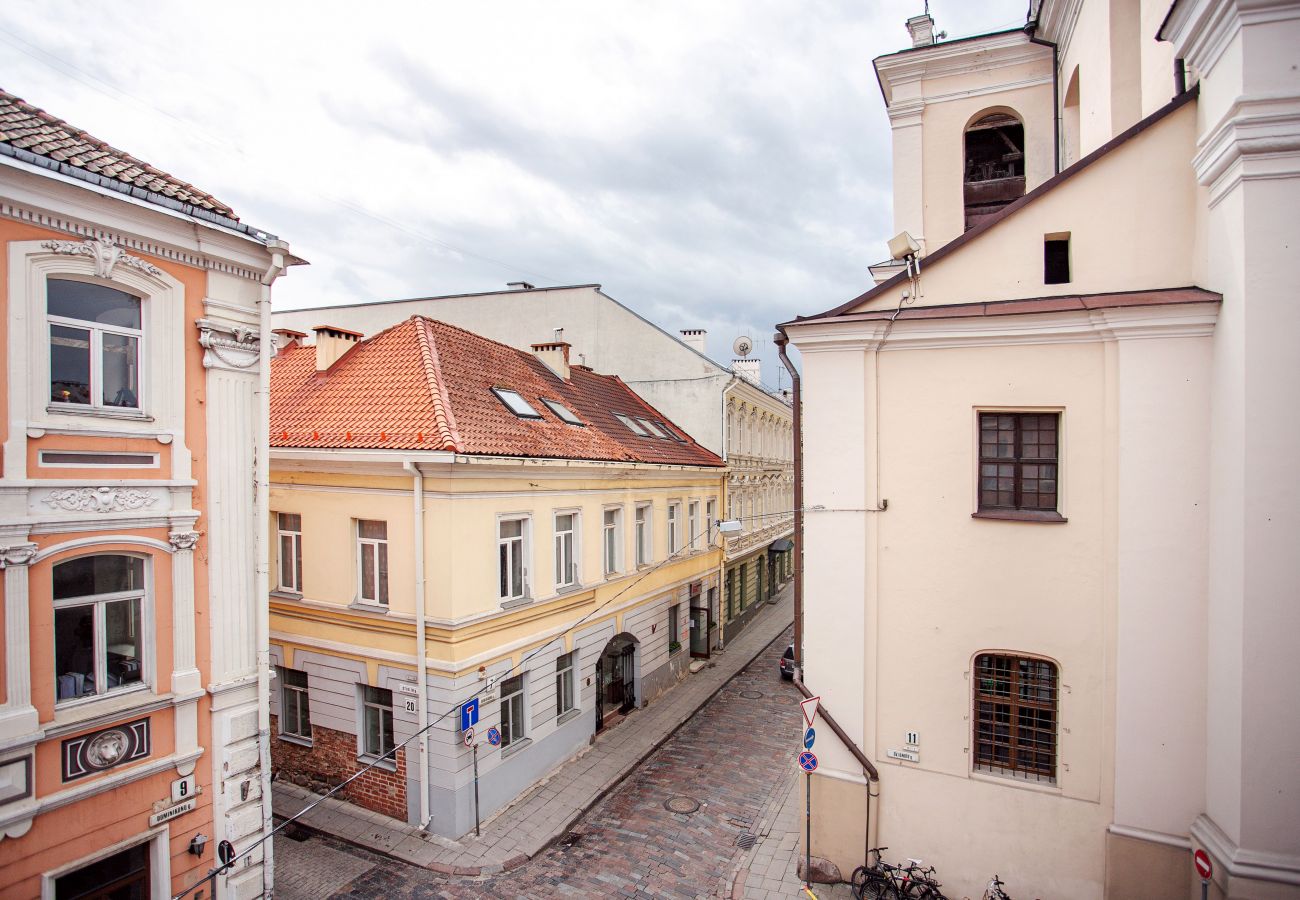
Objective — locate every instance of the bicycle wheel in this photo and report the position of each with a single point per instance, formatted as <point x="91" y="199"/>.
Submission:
<point x="857" y="880"/>
<point x="879" y="887"/>
<point x="920" y="890"/>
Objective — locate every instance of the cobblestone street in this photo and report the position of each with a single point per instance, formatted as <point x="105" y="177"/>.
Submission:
<point x="733" y="758"/>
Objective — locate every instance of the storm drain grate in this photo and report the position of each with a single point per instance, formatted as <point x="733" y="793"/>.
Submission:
<point x="570" y="839"/>
<point x="746" y="841"/>
<point x="752" y="695"/>
<point x="682" y="805"/>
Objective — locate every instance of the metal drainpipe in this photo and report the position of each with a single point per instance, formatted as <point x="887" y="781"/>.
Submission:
<point x="421" y="654"/>
<point x="1056" y="92"/>
<point x="724" y="501"/>
<point x="262" y="572"/>
<point x="780" y="339"/>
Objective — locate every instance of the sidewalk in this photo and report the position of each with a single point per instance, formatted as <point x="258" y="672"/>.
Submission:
<point x="548" y="809"/>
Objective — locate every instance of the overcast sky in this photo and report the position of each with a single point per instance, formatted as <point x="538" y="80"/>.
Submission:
<point x="719" y="164"/>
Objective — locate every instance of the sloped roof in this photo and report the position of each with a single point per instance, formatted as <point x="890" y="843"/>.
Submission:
<point x="27" y="128"/>
<point x="427" y="385"/>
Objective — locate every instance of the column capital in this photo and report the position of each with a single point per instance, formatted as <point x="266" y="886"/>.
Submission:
<point x="183" y="540"/>
<point x="17" y="555"/>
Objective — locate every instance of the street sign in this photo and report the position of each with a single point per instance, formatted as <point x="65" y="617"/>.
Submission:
<point x="808" y="761"/>
<point x="494" y="736"/>
<point x="809" y="708"/>
<point x="808" y="737"/>
<point x="1204" y="867"/>
<point x="469" y="714"/>
<point x="469" y="737"/>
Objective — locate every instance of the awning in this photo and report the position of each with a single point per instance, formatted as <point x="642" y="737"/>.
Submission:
<point x="780" y="545"/>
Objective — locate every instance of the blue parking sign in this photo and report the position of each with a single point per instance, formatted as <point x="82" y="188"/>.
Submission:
<point x="469" y="714"/>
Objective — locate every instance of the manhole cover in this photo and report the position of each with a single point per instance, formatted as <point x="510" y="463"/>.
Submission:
<point x="752" y="695"/>
<point x="683" y="805"/>
<point x="746" y="841"/>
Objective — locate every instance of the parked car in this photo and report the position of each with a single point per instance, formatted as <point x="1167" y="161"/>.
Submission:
<point x="787" y="663"/>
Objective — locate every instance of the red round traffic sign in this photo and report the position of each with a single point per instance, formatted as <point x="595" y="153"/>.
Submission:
<point x="1204" y="867"/>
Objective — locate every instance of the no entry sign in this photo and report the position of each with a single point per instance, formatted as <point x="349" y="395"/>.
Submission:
<point x="1204" y="867"/>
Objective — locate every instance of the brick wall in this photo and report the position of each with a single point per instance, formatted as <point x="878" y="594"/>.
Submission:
<point x="333" y="758"/>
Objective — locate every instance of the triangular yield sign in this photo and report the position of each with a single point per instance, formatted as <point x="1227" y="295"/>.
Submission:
<point x="809" y="708"/>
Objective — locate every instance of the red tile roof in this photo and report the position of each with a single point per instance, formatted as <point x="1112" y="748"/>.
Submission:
<point x="29" y="128"/>
<point x="427" y="385"/>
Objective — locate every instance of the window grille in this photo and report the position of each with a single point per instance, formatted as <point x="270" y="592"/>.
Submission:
<point x="1015" y="716"/>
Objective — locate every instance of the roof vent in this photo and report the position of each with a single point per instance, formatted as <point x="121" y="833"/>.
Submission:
<point x="520" y="286"/>
<point x="694" y="338"/>
<point x="331" y="343"/>
<point x="555" y="356"/>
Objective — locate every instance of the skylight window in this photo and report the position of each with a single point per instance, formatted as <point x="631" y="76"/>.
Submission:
<point x="651" y="427"/>
<point x="672" y="434"/>
<point x="631" y="426"/>
<point x="563" y="412"/>
<point x="516" y="403"/>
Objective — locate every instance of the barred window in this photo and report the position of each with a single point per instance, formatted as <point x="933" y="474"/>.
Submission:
<point x="1015" y="716"/>
<point x="1018" y="461"/>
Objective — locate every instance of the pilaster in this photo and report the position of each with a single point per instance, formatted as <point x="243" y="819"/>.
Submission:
<point x="17" y="716"/>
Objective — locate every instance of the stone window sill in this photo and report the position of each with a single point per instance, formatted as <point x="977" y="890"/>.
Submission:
<point x="366" y="606"/>
<point x="296" y="739"/>
<point x="1050" y="517"/>
<point x="387" y="763"/>
<point x="98" y="412"/>
<point x="515" y="747"/>
<point x="286" y="595"/>
<point x="568" y="716"/>
<point x="516" y="603"/>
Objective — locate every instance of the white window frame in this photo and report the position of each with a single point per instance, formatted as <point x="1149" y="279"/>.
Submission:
<point x="374" y="707"/>
<point x="674" y="526"/>
<point x="295" y="542"/>
<point x="303" y="701"/>
<point x="575" y="548"/>
<point x="514" y="732"/>
<point x="643" y="533"/>
<point x="612" y="540"/>
<point x="566" y="686"/>
<point x="97" y="331"/>
<point x="711" y="519"/>
<point x="524" y="551"/>
<point x="693" y="536"/>
<point x="374" y="545"/>
<point x="100" y="646"/>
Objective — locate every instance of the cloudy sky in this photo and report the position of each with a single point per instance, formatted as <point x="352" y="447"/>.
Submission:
<point x="713" y="163"/>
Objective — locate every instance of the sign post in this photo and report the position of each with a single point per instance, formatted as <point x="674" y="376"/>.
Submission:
<point x="474" y="750"/>
<point x="807" y="762"/>
<point x="1205" y="869"/>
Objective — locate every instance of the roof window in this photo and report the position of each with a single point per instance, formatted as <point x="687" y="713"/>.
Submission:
<point x="655" y="430"/>
<point x="563" y="412"/>
<point x="671" y="434"/>
<point x="631" y="425"/>
<point x="516" y="403"/>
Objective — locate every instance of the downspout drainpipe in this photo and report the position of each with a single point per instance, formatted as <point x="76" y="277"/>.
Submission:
<point x="724" y="504"/>
<point x="421" y="654"/>
<point x="1056" y="92"/>
<point x="780" y="339"/>
<point x="261" y="553"/>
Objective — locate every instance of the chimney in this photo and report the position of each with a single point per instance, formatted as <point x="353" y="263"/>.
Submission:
<point x="555" y="356"/>
<point x="748" y="369"/>
<point x="694" y="338"/>
<point x="922" y="29"/>
<point x="331" y="343"/>
<point x="519" y="286"/>
<point x="287" y="337"/>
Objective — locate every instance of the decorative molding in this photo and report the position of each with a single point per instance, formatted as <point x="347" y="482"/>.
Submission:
<point x="183" y="540"/>
<point x="99" y="751"/>
<point x="1258" y="138"/>
<point x="1241" y="862"/>
<point x="106" y="254"/>
<point x="949" y="58"/>
<point x="100" y="499"/>
<point x="104" y="539"/>
<point x="17" y="555"/>
<point x="228" y="345"/>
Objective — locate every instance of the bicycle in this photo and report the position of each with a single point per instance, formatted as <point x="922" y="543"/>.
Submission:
<point x="994" y="890"/>
<point x="884" y="881"/>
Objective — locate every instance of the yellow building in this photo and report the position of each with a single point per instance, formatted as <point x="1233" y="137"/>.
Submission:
<point x="457" y="520"/>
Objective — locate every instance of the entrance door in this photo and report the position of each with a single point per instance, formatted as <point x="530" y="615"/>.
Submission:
<point x="600" y="692"/>
<point x="122" y="876"/>
<point x="627" y="678"/>
<point x="701" y="625"/>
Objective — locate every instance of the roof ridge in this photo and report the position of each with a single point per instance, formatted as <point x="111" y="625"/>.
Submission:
<point x="442" y="411"/>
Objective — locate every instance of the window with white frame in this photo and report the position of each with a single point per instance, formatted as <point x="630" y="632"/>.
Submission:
<point x="95" y="344"/>
<point x="643" y="535"/>
<point x="295" y="711"/>
<point x="612" y="539"/>
<point x="674" y="528"/>
<point x="100" y="640"/>
<point x="513" y="727"/>
<point x="372" y="561"/>
<point x="512" y="557"/>
<point x="564" y="683"/>
<point x="376" y="720"/>
<point x="566" y="549"/>
<point x="289" y="526"/>
<point x="693" y="537"/>
<point x="711" y="514"/>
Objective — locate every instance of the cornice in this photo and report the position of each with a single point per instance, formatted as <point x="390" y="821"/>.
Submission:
<point x="1242" y="862"/>
<point x="1257" y="138"/>
<point x="1201" y="30"/>
<point x="995" y="51"/>
<point x="1056" y="21"/>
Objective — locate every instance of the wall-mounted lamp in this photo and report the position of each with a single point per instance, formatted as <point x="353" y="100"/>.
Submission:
<point x="197" y="843"/>
<point x="730" y="526"/>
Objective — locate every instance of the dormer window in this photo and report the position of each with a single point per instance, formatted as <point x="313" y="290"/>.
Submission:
<point x="994" y="174"/>
<point x="632" y="426"/>
<point x="516" y="403"/>
<point x="562" y="412"/>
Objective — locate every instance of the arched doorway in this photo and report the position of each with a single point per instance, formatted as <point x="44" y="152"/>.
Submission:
<point x="617" y="678"/>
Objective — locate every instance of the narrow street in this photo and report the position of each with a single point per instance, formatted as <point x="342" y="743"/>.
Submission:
<point x="731" y="758"/>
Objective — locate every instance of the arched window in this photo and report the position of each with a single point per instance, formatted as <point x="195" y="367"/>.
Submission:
<point x="994" y="172"/>
<point x="1015" y="716"/>
<point x="99" y="642"/>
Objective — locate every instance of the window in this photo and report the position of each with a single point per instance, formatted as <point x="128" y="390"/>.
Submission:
<point x="95" y="335"/>
<point x="693" y="524"/>
<point x="644" y="537"/>
<point x="674" y="635"/>
<point x="512" y="710"/>
<point x="631" y="425"/>
<point x="295" y="711"/>
<point x="711" y="517"/>
<point x="377" y="721"/>
<point x="512" y="565"/>
<point x="731" y="594"/>
<point x="1056" y="259"/>
<point x="566" y="554"/>
<point x="562" y="411"/>
<point x="1015" y="716"/>
<point x="613" y="540"/>
<point x="670" y="433"/>
<point x="372" y="561"/>
<point x="1018" y="464"/>
<point x="290" y="528"/>
<point x="515" y="402"/>
<point x="651" y="428"/>
<point x="995" y="165"/>
<point x="674" y="528"/>
<point x="564" y="684"/>
<point x="125" y="874"/>
<point x="99" y="607"/>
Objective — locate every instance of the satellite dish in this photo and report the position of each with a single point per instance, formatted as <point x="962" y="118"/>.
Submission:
<point x="743" y="346"/>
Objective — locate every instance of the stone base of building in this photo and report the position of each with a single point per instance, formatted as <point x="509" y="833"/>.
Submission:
<point x="331" y="759"/>
<point x="1138" y="869"/>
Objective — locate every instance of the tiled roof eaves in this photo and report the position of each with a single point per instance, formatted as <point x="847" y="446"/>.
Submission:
<point x="1011" y="209"/>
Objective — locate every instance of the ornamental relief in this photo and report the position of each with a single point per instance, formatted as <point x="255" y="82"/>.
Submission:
<point x="100" y="499"/>
<point x="104" y="252"/>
